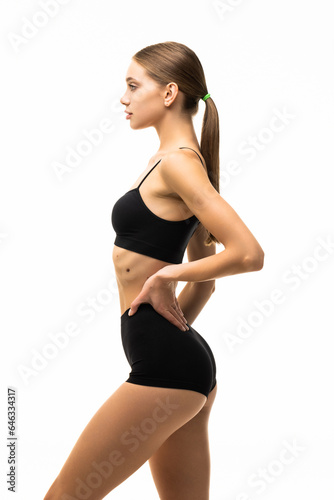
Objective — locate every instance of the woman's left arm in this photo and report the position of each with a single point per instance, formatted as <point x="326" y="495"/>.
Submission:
<point x="242" y="251"/>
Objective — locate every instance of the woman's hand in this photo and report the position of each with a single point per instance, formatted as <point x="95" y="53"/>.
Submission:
<point x="160" y="293"/>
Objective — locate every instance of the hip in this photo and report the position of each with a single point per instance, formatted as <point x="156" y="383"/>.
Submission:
<point x="148" y="331"/>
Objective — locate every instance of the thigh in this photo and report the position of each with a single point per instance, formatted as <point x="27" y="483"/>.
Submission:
<point x="181" y="466"/>
<point x="126" y="430"/>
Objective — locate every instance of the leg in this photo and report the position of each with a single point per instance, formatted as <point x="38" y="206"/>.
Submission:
<point x="127" y="429"/>
<point x="181" y="466"/>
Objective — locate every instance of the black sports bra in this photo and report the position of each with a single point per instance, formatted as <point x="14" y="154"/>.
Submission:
<point x="140" y="230"/>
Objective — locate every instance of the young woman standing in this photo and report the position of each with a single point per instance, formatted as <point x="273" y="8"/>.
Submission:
<point x="161" y="412"/>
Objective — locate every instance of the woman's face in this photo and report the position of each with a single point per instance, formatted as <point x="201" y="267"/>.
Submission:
<point x="144" y="98"/>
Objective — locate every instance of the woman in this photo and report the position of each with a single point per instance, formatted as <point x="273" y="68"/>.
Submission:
<point x="161" y="412"/>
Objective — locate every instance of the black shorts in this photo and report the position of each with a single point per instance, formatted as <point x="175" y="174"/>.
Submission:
<point x="162" y="355"/>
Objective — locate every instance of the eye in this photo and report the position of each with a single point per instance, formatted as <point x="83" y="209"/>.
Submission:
<point x="133" y="87"/>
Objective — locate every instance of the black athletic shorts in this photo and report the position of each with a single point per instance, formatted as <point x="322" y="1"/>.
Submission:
<point x="162" y="355"/>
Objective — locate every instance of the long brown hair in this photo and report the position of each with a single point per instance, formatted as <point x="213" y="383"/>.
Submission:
<point x="174" y="62"/>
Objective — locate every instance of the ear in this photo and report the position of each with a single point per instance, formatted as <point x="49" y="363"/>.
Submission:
<point x="171" y="92"/>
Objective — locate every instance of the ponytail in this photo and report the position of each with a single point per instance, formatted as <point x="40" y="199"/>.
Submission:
<point x="210" y="150"/>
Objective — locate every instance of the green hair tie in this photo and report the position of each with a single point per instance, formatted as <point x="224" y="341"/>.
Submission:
<point x="206" y="97"/>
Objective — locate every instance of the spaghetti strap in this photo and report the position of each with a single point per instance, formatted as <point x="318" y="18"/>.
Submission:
<point x="148" y="173"/>
<point x="184" y="147"/>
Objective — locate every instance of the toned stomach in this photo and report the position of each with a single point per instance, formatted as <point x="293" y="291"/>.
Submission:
<point x="132" y="270"/>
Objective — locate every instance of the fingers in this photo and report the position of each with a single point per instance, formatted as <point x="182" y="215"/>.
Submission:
<point x="176" y="318"/>
<point x="133" y="308"/>
<point x="179" y="309"/>
<point x="181" y="313"/>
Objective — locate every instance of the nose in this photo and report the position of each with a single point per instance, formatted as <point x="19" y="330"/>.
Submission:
<point x="123" y="100"/>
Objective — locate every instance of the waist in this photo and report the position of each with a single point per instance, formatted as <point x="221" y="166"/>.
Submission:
<point x="132" y="270"/>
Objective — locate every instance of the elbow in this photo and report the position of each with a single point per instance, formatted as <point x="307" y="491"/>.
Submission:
<point x="254" y="262"/>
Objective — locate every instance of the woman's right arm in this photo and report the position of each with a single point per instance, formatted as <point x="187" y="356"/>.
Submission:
<point x="195" y="294"/>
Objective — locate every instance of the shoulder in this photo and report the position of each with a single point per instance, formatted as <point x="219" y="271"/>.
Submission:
<point x="182" y="167"/>
<point x="186" y="154"/>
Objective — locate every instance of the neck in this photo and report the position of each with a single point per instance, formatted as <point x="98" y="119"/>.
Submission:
<point x="175" y="132"/>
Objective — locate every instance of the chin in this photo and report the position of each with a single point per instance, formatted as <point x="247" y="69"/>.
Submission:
<point x="143" y="122"/>
<point x="138" y="126"/>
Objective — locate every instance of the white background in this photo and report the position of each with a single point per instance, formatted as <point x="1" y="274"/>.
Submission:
<point x="275" y="384"/>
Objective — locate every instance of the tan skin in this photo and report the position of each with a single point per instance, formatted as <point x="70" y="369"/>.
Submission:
<point x="150" y="106"/>
<point x="168" y="194"/>
<point x="133" y="269"/>
<point x="178" y="450"/>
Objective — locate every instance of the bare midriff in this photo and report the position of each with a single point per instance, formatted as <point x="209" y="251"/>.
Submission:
<point x="132" y="270"/>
